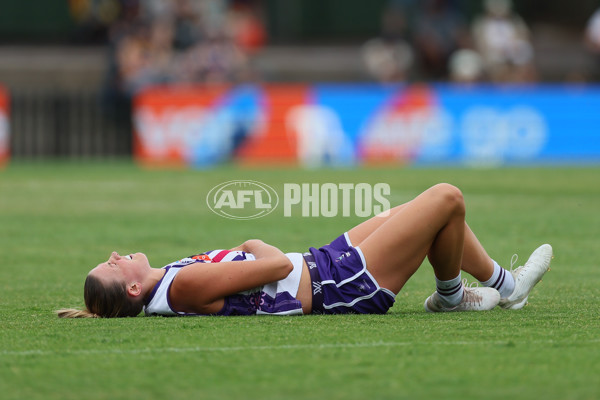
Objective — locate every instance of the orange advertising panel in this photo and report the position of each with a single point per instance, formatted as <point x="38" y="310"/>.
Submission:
<point x="275" y="141"/>
<point x="204" y="125"/>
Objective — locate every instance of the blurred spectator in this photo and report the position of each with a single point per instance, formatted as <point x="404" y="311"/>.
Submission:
<point x="592" y="41"/>
<point x="180" y="41"/>
<point x="389" y="58"/>
<point x="187" y="25"/>
<point x="146" y="57"/>
<point x="245" y="26"/>
<point x="386" y="60"/>
<point x="439" y="31"/>
<point x="214" y="60"/>
<point x="503" y="40"/>
<point x="466" y="66"/>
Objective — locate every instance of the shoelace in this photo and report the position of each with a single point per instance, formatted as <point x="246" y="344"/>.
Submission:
<point x="467" y="284"/>
<point x="513" y="261"/>
<point x="470" y="296"/>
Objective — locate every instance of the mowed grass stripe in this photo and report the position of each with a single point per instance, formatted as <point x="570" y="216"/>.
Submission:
<point x="315" y="346"/>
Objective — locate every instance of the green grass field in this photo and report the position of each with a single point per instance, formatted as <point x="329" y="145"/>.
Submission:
<point x="58" y="220"/>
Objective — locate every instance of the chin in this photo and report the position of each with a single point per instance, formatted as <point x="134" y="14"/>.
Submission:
<point x="141" y="256"/>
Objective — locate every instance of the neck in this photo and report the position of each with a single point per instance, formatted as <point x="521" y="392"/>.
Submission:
<point x="153" y="277"/>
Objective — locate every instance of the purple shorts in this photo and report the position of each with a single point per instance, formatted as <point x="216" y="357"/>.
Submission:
<point x="341" y="282"/>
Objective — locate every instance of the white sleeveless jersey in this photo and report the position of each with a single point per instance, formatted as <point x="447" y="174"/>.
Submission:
<point x="277" y="298"/>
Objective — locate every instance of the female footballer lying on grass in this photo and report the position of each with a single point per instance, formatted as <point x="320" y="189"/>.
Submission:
<point x="360" y="271"/>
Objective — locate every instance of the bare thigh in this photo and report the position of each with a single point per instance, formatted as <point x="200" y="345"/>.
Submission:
<point x="363" y="230"/>
<point x="396" y="245"/>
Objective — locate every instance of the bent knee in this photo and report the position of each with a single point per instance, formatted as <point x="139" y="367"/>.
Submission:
<point x="450" y="197"/>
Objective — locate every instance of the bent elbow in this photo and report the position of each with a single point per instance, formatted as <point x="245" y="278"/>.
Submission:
<point x="287" y="267"/>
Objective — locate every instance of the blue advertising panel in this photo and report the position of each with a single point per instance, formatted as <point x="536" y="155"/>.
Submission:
<point x="523" y="125"/>
<point x="480" y="125"/>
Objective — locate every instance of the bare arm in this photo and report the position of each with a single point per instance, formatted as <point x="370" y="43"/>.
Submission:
<point x="259" y="249"/>
<point x="197" y="287"/>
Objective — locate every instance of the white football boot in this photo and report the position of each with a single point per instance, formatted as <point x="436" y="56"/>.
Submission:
<point x="527" y="276"/>
<point x="474" y="299"/>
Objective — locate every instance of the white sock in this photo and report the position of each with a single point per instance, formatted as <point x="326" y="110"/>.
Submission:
<point x="451" y="292"/>
<point x="501" y="280"/>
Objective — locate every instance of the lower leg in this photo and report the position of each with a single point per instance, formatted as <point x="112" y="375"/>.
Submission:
<point x="457" y="243"/>
<point x="446" y="252"/>
<point x="475" y="259"/>
<point x="478" y="263"/>
<point x="445" y="256"/>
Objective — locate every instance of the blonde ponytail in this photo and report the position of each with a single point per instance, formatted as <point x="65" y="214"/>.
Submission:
<point x="75" y="313"/>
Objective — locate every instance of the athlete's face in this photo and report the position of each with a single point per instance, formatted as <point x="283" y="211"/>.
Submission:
<point x="128" y="269"/>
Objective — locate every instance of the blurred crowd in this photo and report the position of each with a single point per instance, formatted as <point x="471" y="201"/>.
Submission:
<point x="432" y="40"/>
<point x="173" y="41"/>
<point x="191" y="41"/>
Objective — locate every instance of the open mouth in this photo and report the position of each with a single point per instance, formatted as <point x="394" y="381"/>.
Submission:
<point x="129" y="257"/>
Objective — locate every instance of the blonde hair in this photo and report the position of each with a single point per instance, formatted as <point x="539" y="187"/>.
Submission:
<point x="110" y="301"/>
<point x="75" y="313"/>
